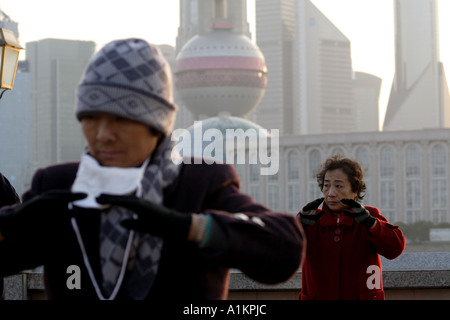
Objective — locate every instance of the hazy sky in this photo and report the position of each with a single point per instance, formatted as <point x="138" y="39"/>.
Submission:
<point x="367" y="23"/>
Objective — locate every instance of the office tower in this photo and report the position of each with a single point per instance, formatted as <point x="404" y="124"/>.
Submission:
<point x="310" y="87"/>
<point x="275" y="32"/>
<point x="366" y="92"/>
<point x="15" y="123"/>
<point x="419" y="95"/>
<point x="56" y="67"/>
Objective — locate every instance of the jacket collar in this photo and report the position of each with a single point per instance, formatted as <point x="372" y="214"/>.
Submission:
<point x="331" y="218"/>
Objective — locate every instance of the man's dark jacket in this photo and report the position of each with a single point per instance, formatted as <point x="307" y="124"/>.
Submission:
<point x="268" y="249"/>
<point x="8" y="196"/>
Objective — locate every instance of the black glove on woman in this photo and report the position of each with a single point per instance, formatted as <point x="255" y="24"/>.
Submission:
<point x="152" y="218"/>
<point x="308" y="214"/>
<point x="37" y="214"/>
<point x="358" y="213"/>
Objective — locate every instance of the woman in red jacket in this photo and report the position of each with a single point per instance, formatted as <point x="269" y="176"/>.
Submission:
<point x="345" y="239"/>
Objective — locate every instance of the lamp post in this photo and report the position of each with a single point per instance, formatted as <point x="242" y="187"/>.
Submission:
<point x="9" y="58"/>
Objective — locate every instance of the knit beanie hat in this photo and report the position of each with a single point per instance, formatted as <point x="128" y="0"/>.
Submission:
<point x="132" y="79"/>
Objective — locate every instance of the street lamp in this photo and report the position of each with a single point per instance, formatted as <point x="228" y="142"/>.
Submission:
<point x="9" y="58"/>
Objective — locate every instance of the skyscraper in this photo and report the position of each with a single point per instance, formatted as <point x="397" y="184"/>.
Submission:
<point x="15" y="122"/>
<point x="323" y="83"/>
<point x="419" y="95"/>
<point x="275" y="32"/>
<point x="309" y="64"/>
<point x="366" y="92"/>
<point x="56" y="67"/>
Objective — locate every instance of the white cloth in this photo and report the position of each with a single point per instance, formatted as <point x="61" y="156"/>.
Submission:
<point x="94" y="179"/>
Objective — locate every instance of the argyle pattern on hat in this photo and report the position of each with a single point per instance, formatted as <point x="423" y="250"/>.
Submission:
<point x="132" y="79"/>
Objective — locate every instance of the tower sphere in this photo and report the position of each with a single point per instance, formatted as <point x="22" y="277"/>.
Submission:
<point x="220" y="71"/>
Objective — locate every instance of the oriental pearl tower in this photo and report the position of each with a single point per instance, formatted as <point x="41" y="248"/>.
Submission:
<point x="221" y="71"/>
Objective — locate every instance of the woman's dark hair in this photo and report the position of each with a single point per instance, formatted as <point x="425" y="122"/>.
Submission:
<point x="350" y="167"/>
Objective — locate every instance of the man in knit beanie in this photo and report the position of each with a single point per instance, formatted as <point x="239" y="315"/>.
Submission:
<point x="137" y="224"/>
<point x="132" y="79"/>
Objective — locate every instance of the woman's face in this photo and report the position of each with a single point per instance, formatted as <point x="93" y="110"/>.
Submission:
<point x="336" y="186"/>
<point x="118" y="142"/>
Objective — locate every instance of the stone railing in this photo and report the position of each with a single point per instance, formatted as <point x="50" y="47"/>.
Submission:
<point x="411" y="276"/>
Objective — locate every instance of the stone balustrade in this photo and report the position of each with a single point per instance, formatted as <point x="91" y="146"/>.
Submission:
<point x="412" y="276"/>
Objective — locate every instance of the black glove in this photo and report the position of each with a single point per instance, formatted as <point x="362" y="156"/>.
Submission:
<point x="358" y="213"/>
<point x="152" y="218"/>
<point x="308" y="214"/>
<point x="38" y="214"/>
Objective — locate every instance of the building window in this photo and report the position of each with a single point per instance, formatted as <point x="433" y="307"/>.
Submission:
<point x="240" y="170"/>
<point x="337" y="150"/>
<point x="273" y="192"/>
<point x="412" y="201"/>
<point x="293" y="166"/>
<point x="273" y="197"/>
<point x="387" y="183"/>
<point x="363" y="158"/>
<point x="294" y="204"/>
<point x="387" y="201"/>
<point x="293" y="182"/>
<point x="254" y="184"/>
<point x="413" y="186"/>
<point x="387" y="162"/>
<point x="254" y="173"/>
<point x="439" y="173"/>
<point x="314" y="161"/>
<point x="254" y="192"/>
<point x="412" y="162"/>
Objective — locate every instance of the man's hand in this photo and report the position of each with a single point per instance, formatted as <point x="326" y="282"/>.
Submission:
<point x="39" y="213"/>
<point x="358" y="213"/>
<point x="152" y="218"/>
<point x="308" y="214"/>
